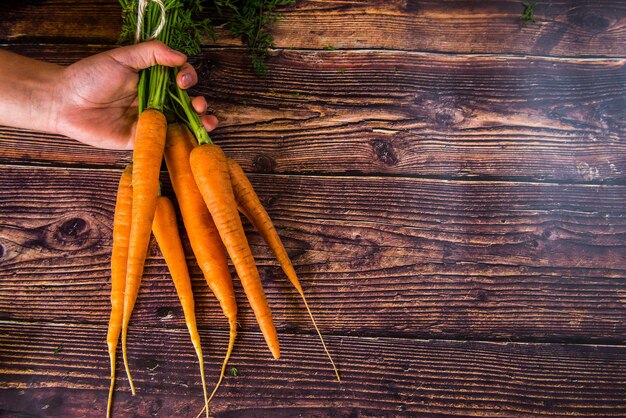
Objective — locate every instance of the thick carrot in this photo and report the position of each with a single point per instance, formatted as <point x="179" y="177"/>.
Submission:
<point x="147" y="157"/>
<point x="119" y="256"/>
<point x="249" y="204"/>
<point x="210" y="169"/>
<point x="166" y="233"/>
<point x="203" y="235"/>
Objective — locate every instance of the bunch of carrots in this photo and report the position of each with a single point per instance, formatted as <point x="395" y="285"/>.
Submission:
<point x="212" y="190"/>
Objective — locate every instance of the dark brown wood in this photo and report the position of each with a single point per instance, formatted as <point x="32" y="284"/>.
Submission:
<point x="394" y="113"/>
<point x="381" y="376"/>
<point x="407" y="257"/>
<point x="423" y="114"/>
<point x="449" y="182"/>
<point x="58" y="21"/>
<point x="563" y="28"/>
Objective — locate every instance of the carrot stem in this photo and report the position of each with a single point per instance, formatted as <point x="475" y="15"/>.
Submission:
<point x="141" y="87"/>
<point x="191" y="117"/>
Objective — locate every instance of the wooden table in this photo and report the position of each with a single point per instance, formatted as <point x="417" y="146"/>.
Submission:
<point x="450" y="183"/>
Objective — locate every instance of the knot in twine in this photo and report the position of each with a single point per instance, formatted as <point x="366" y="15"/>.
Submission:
<point x="141" y="11"/>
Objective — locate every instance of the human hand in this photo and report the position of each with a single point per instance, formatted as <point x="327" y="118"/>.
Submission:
<point x="97" y="96"/>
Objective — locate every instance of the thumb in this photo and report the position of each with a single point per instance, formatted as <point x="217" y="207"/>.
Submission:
<point x="146" y="54"/>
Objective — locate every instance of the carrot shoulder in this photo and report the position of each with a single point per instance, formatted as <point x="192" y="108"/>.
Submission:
<point x="203" y="235"/>
<point x="210" y="169"/>
<point x="166" y="233"/>
<point x="147" y="158"/>
<point x="119" y="256"/>
<point x="249" y="204"/>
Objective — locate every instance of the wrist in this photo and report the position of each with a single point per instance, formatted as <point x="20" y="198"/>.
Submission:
<point x="29" y="92"/>
<point x="47" y="100"/>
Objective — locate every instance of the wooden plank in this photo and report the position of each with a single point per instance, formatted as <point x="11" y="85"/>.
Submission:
<point x="394" y="113"/>
<point x="381" y="377"/>
<point x="58" y="21"/>
<point x="377" y="256"/>
<point x="423" y="114"/>
<point x="562" y="29"/>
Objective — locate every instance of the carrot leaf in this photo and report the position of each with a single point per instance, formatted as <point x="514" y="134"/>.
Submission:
<point x="250" y="22"/>
<point x="529" y="12"/>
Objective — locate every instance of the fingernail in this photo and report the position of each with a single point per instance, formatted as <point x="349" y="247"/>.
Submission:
<point x="185" y="80"/>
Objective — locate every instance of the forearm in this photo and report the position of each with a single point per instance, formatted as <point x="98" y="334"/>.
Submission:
<point x="27" y="92"/>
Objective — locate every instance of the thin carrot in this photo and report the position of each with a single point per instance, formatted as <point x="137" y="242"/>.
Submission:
<point x="119" y="256"/>
<point x="249" y="204"/>
<point x="147" y="157"/>
<point x="203" y="235"/>
<point x="166" y="233"/>
<point x="210" y="169"/>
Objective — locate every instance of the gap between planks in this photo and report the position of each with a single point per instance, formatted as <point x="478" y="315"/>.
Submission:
<point x="566" y="58"/>
<point x="327" y="335"/>
<point x="349" y="175"/>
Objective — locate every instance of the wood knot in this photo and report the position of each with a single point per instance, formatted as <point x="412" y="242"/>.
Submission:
<point x="147" y="363"/>
<point x="263" y="164"/>
<point x="589" y="22"/>
<point x="73" y="227"/>
<point x="73" y="232"/>
<point x="203" y="68"/>
<point x="449" y="116"/>
<point x="164" y="312"/>
<point x="384" y="152"/>
<point x="269" y="201"/>
<point x="588" y="172"/>
<point x="411" y="6"/>
<point x="443" y="110"/>
<point x="2" y="250"/>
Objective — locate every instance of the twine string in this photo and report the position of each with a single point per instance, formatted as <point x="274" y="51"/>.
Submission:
<point x="141" y="11"/>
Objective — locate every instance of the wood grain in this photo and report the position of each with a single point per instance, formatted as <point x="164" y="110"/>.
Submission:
<point x="563" y="28"/>
<point x="422" y="114"/>
<point x="407" y="257"/>
<point x="365" y="112"/>
<point x="381" y="377"/>
<point x="58" y="21"/>
<point x="441" y="175"/>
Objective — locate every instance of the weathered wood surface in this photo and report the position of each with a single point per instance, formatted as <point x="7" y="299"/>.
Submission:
<point x="381" y="376"/>
<point x="428" y="258"/>
<point x="394" y="113"/>
<point x="563" y="28"/>
<point x="447" y="181"/>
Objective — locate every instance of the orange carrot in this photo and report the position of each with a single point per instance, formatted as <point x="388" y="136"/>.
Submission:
<point x="166" y="233"/>
<point x="249" y="204"/>
<point x="210" y="169"/>
<point x="147" y="157"/>
<point x="121" y="232"/>
<point x="203" y="236"/>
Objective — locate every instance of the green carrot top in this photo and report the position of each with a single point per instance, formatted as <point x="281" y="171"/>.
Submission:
<point x="174" y="25"/>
